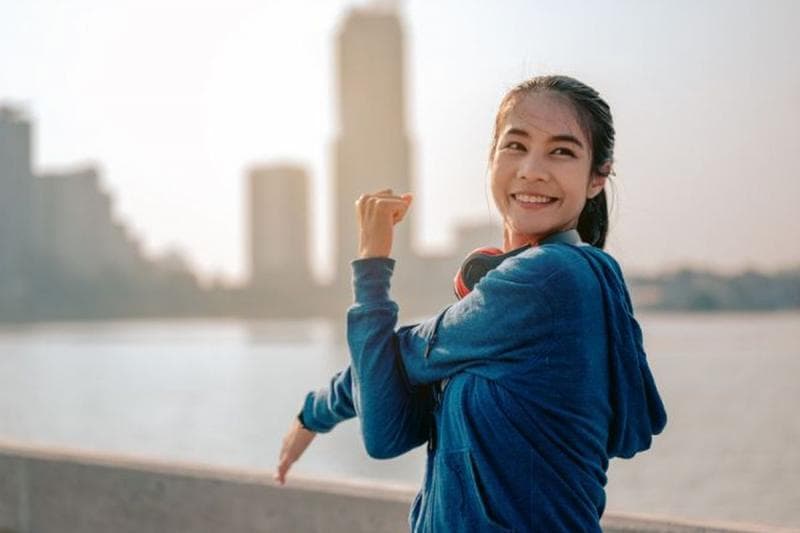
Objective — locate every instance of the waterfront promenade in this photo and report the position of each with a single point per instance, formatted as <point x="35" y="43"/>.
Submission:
<point x="48" y="490"/>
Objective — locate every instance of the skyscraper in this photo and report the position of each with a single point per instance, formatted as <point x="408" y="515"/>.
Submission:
<point x="372" y="148"/>
<point x="15" y="200"/>
<point x="279" y="231"/>
<point x="76" y="231"/>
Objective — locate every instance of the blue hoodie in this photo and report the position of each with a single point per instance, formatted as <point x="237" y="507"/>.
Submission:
<point x="523" y="390"/>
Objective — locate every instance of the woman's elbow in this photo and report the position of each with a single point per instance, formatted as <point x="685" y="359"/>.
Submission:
<point x="385" y="446"/>
<point x="381" y="451"/>
<point x="381" y="448"/>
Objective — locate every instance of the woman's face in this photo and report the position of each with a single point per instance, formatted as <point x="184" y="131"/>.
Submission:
<point x="541" y="169"/>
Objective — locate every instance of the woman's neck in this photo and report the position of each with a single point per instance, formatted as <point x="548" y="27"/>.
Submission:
<point x="513" y="240"/>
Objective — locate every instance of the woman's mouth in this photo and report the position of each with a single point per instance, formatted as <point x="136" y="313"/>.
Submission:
<point x="532" y="201"/>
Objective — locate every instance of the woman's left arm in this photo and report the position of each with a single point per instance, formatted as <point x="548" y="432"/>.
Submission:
<point x="395" y="416"/>
<point x="504" y="316"/>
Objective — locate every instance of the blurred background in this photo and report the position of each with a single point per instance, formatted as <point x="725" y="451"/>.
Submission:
<point x="176" y="217"/>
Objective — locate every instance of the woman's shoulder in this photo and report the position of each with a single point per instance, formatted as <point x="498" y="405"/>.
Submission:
<point x="549" y="259"/>
<point x="558" y="266"/>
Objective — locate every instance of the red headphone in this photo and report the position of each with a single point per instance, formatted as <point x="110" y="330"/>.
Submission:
<point x="481" y="260"/>
<point x="477" y="264"/>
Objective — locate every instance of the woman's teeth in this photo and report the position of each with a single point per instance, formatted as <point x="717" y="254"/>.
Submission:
<point x="533" y="199"/>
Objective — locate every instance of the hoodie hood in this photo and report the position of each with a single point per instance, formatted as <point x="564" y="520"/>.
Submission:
<point x="638" y="410"/>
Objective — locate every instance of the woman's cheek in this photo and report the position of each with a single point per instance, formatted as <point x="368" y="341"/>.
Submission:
<point x="500" y="192"/>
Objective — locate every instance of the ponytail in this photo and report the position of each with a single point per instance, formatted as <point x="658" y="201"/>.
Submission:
<point x="593" y="221"/>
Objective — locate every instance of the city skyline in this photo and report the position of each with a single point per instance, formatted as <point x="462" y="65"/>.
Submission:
<point x="723" y="139"/>
<point x="65" y="254"/>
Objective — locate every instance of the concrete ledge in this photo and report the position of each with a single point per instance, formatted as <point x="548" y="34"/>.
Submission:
<point x="631" y="522"/>
<point x="49" y="490"/>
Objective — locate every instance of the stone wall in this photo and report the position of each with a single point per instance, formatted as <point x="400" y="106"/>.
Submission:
<point x="45" y="490"/>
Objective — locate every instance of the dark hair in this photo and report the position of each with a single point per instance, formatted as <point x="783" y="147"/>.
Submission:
<point x="594" y="116"/>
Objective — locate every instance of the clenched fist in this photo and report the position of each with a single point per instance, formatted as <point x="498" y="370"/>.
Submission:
<point x="377" y="214"/>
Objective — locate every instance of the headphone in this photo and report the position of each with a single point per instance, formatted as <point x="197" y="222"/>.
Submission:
<point x="477" y="264"/>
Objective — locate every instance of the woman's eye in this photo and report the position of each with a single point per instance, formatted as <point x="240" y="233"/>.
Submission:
<point x="564" y="151"/>
<point x="514" y="145"/>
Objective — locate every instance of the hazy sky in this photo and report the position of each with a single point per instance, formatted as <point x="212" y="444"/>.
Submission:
<point x="176" y="99"/>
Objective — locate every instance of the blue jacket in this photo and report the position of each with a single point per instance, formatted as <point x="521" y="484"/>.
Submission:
<point x="523" y="390"/>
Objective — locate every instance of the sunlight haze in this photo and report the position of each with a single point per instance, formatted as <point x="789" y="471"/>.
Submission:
<point x="176" y="101"/>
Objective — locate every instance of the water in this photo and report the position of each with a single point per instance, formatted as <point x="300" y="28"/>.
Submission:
<point x="225" y="392"/>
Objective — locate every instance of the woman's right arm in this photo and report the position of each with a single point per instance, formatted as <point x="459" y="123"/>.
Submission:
<point x="323" y="409"/>
<point x="326" y="407"/>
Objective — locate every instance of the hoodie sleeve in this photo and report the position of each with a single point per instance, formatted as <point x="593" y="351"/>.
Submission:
<point x="326" y="407"/>
<point x="395" y="416"/>
<point x="499" y="321"/>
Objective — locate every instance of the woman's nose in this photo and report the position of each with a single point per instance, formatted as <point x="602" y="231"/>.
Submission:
<point x="532" y="169"/>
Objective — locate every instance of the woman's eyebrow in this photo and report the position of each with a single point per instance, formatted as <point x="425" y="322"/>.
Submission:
<point x="517" y="131"/>
<point x="562" y="137"/>
<point x="565" y="137"/>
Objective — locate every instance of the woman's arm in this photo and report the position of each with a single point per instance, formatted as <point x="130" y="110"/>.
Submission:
<point x="321" y="411"/>
<point x="495" y="331"/>
<point x="504" y="318"/>
<point x="326" y="407"/>
<point x="395" y="416"/>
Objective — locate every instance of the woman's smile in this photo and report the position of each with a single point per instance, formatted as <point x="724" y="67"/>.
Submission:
<point x="532" y="201"/>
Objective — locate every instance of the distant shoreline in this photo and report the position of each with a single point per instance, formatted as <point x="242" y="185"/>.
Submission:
<point x="244" y="320"/>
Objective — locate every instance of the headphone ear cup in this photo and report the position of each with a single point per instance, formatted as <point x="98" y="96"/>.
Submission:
<point x="477" y="264"/>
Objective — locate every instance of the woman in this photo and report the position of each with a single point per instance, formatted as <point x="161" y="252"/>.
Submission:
<point x="526" y="387"/>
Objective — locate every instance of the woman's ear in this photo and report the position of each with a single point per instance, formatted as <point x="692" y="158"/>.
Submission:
<point x="596" y="185"/>
<point x="598" y="180"/>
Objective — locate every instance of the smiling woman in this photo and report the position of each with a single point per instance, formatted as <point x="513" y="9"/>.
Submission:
<point x="527" y="386"/>
<point x="556" y="130"/>
<point x="540" y="167"/>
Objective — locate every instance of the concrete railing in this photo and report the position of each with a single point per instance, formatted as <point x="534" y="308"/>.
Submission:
<point x="46" y="490"/>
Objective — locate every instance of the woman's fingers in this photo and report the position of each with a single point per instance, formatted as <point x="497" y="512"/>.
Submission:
<point x="384" y="204"/>
<point x="407" y="198"/>
<point x="294" y="444"/>
<point x="283" y="468"/>
<point x="383" y="193"/>
<point x="283" y="461"/>
<point x="377" y="214"/>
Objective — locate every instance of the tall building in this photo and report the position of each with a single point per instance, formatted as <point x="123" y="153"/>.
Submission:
<point x="279" y="242"/>
<point x="76" y="231"/>
<point x="16" y="219"/>
<point x="372" y="147"/>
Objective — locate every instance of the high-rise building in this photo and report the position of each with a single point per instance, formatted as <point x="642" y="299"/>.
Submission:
<point x="76" y="232"/>
<point x="372" y="147"/>
<point x="15" y="200"/>
<point x="279" y="244"/>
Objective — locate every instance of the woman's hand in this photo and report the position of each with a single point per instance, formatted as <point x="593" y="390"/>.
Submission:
<point x="294" y="444"/>
<point x="377" y="214"/>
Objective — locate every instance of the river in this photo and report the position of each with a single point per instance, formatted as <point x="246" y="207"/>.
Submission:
<point x="223" y="392"/>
